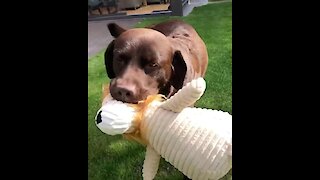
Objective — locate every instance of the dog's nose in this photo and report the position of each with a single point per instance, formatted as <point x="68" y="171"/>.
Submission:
<point x="123" y="94"/>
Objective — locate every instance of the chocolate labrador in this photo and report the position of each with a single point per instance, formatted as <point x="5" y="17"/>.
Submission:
<point x="157" y="59"/>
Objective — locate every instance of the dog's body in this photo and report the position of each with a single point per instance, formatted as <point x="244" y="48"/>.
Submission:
<point x="158" y="59"/>
<point x="185" y="39"/>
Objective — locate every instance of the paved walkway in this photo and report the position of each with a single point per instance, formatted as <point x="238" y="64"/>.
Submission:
<point x="99" y="36"/>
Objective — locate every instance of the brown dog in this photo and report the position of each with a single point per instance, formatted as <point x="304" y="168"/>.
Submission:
<point x="157" y="59"/>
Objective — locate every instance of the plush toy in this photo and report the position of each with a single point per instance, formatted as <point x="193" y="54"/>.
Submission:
<point x="196" y="141"/>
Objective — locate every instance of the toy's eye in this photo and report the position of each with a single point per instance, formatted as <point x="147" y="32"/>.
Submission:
<point x="98" y="118"/>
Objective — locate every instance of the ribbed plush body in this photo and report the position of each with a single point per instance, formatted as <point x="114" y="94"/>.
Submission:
<point x="196" y="141"/>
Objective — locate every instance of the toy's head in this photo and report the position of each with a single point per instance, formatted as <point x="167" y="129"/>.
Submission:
<point x="116" y="117"/>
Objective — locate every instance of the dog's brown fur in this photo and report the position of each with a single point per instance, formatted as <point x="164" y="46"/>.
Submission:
<point x="159" y="59"/>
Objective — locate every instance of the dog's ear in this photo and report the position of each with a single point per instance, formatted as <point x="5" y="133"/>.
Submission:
<point x="108" y="60"/>
<point x="115" y="29"/>
<point x="179" y="70"/>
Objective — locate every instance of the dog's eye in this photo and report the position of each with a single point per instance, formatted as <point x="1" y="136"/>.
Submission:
<point x="121" y="58"/>
<point x="153" y="65"/>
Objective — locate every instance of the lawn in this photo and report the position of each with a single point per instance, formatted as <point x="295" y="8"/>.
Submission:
<point x="115" y="158"/>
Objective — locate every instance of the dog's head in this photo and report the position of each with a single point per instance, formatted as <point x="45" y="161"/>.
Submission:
<point x="142" y="62"/>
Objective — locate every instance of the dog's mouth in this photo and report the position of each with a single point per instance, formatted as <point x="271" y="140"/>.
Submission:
<point x="125" y="97"/>
<point x="130" y="92"/>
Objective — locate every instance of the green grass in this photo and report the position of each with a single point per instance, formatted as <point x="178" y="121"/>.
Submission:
<point x="114" y="158"/>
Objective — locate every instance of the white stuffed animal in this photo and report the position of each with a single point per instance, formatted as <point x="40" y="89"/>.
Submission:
<point x="196" y="141"/>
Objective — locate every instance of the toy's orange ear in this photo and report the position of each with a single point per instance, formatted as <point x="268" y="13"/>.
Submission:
<point x="105" y="91"/>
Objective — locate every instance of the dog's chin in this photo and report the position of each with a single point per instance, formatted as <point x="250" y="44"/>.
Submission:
<point x="131" y="101"/>
<point x="139" y="100"/>
<point x="144" y="98"/>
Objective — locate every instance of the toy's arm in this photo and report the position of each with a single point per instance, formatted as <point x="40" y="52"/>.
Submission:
<point x="151" y="164"/>
<point x="186" y="96"/>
